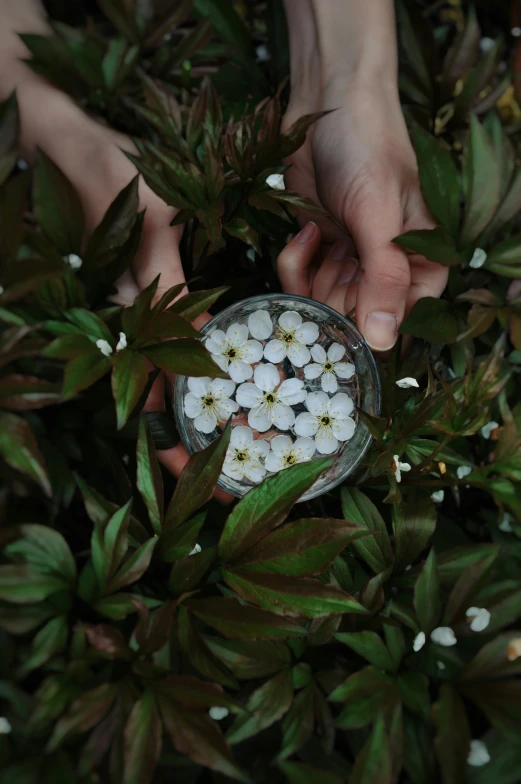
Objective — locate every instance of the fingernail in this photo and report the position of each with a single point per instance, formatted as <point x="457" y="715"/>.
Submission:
<point x="340" y="249"/>
<point x="381" y="330"/>
<point x="349" y="271"/>
<point x="307" y="232"/>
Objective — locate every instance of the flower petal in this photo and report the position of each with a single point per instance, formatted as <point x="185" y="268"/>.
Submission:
<point x="306" y="424"/>
<point x="318" y="353"/>
<point x="214" y="347"/>
<point x="193" y="406"/>
<point x="317" y="403"/>
<point x="298" y="354"/>
<point x="266" y="376"/>
<point x="254" y="471"/>
<point x="206" y="422"/>
<point x="199" y="386"/>
<point x="344" y="370"/>
<point x="281" y="445"/>
<point x="260" y="324"/>
<point x="307" y="333"/>
<point x="225" y="408"/>
<point x="407" y="383"/>
<point x="443" y="635"/>
<point x="325" y="441"/>
<point x="259" y="419"/>
<point x="240" y="371"/>
<point x="237" y="334"/>
<point x="292" y="391"/>
<point x="275" y="351"/>
<point x="218" y="336"/>
<point x="283" y="416"/>
<point x="303" y="449"/>
<point x="328" y="383"/>
<point x="341" y="405"/>
<point x="233" y="470"/>
<point x="274" y="462"/>
<point x="249" y="395"/>
<point x="335" y="352"/>
<point x="343" y="429"/>
<point x="259" y="448"/>
<point x="222" y="387"/>
<point x="478" y="755"/>
<point x="312" y="370"/>
<point x="290" y="320"/>
<point x="252" y="351"/>
<point x="241" y="437"/>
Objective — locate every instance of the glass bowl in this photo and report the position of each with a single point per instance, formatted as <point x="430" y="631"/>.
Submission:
<point x="363" y="387"/>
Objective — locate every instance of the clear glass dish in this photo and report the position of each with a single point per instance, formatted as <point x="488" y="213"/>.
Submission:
<point x="363" y="387"/>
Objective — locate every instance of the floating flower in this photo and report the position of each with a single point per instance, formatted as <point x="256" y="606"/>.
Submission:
<point x="73" y="260"/>
<point x="478" y="754"/>
<point x="234" y="352"/>
<point x="260" y="324"/>
<point x="486" y="430"/>
<point x="276" y="181"/>
<point x="292" y="340"/>
<point x="443" y="635"/>
<point x="196" y="549"/>
<point x="514" y="649"/>
<point x="463" y="471"/>
<point x="506" y="523"/>
<point x="438" y="496"/>
<point x="122" y="342"/>
<point x="262" y="53"/>
<point x="105" y="347"/>
<point x="398" y="467"/>
<point x="285" y="452"/>
<point x="441" y="666"/>
<point x="244" y="454"/>
<point x="479" y="618"/>
<point x="479" y="257"/>
<point x="419" y="642"/>
<point x="328" y="419"/>
<point x="5" y="726"/>
<point x="217" y="713"/>
<point x="407" y="383"/>
<point x="328" y="366"/>
<point x="208" y="402"/>
<point x="269" y="402"/>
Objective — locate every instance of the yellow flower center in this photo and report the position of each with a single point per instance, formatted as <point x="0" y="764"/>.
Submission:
<point x="289" y="459"/>
<point x="325" y="421"/>
<point x="328" y="366"/>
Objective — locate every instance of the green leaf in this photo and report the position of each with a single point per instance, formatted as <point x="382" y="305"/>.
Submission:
<point x="237" y="621"/>
<point x="149" y="480"/>
<point x="184" y="356"/>
<point x="9" y="135"/>
<point x="492" y="660"/>
<point x="25" y="274"/>
<point x="196" y="303"/>
<point x="375" y="550"/>
<point x="297" y="773"/>
<point x="82" y="372"/>
<point x="414" y="523"/>
<point x="19" y="449"/>
<point x="291" y="596"/>
<point x="298" y="723"/>
<point x="427" y="595"/>
<point x="142" y="741"/>
<point x="265" y="507"/>
<point x="432" y="320"/>
<point x="188" y="572"/>
<point x="463" y="52"/>
<point x="452" y="739"/>
<point x="129" y="379"/>
<point x="265" y="706"/>
<point x="50" y="639"/>
<point x="435" y="244"/>
<point x="44" y="549"/>
<point x="84" y="713"/>
<point x="373" y="763"/>
<point x="57" y="206"/>
<point x="500" y="701"/>
<point x="439" y="181"/>
<point x="505" y="258"/>
<point x="481" y="183"/>
<point x="196" y="651"/>
<point x="114" y="230"/>
<point x="468" y="586"/>
<point x="133" y="568"/>
<point x="179" y="542"/>
<point x="370" y="646"/>
<point x="243" y="231"/>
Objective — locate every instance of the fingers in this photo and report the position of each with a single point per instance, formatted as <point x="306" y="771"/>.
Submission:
<point x="337" y="270"/>
<point x="294" y="264"/>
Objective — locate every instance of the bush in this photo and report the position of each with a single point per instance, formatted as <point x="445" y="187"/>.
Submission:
<point x="296" y="645"/>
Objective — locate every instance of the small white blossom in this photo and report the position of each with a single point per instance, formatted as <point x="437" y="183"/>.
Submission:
<point x="234" y="352"/>
<point x="443" y="635"/>
<point x="419" y="642"/>
<point x="5" y="726"/>
<point x="398" y="467"/>
<point x="479" y="618"/>
<point x="328" y="419"/>
<point x="208" y="402"/>
<point x="441" y="666"/>
<point x="407" y="383"/>
<point x="22" y="165"/>
<point x="250" y="254"/>
<point x="516" y="32"/>
<point x="263" y="54"/>
<point x="196" y="549"/>
<point x="269" y="400"/>
<point x="217" y="713"/>
<point x="260" y="324"/>
<point x="73" y="260"/>
<point x="285" y="452"/>
<point x="244" y="455"/>
<point x="463" y="471"/>
<point x="276" y="181"/>
<point x="438" y="496"/>
<point x="486" y="44"/>
<point x="487" y="429"/>
<point x="122" y="342"/>
<point x="506" y="523"/>
<point x="292" y="339"/>
<point x="478" y="754"/>
<point x="328" y="366"/>
<point x="478" y="259"/>
<point x="105" y="347"/>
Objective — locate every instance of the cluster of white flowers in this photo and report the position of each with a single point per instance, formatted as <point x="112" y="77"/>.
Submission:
<point x="252" y="354"/>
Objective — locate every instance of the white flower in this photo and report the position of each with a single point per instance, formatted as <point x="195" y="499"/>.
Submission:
<point x="105" y="347"/>
<point x="260" y="324"/>
<point x="234" y="352"/>
<point x="478" y="259"/>
<point x="208" y="402"/>
<point x="479" y="618"/>
<point x="262" y="53"/>
<point x="328" y="419"/>
<point x="438" y="496"/>
<point x="276" y="181"/>
<point x="196" y="549"/>
<point x="516" y="32"/>
<point x="243" y="455"/>
<point x="328" y="366"/>
<point x="122" y="342"/>
<point x="463" y="471"/>
<point x="398" y="467"/>
<point x="73" y="260"/>
<point x="440" y="664"/>
<point x="478" y="754"/>
<point x="486" y="44"/>
<point x="506" y="523"/>
<point x="292" y="340"/>
<point x="250" y="254"/>
<point x="5" y="726"/>
<point x="419" y="642"/>
<point x="285" y="453"/>
<point x="443" y="635"/>
<point x="269" y="402"/>
<point x="407" y="383"/>
<point x="487" y="429"/>
<point x="217" y="713"/>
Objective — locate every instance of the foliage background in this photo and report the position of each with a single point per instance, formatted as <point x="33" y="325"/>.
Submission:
<point x="114" y="641"/>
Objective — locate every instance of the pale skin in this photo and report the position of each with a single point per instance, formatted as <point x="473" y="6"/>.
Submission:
<point x="357" y="161"/>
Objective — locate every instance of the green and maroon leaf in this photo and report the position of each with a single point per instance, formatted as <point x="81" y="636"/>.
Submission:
<point x="185" y="356"/>
<point x="149" y="480"/>
<point x="19" y="449"/>
<point x="265" y="706"/>
<point x="237" y="621"/>
<point x="142" y="740"/>
<point x="452" y="738"/>
<point x="129" y="379"/>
